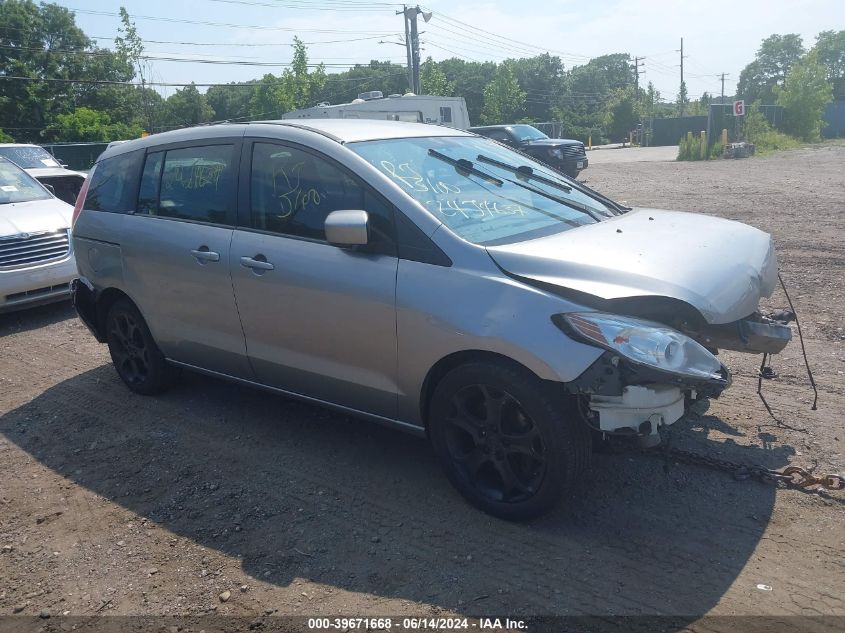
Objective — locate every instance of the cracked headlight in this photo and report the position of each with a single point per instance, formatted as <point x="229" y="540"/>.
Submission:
<point x="643" y="342"/>
<point x="556" y="152"/>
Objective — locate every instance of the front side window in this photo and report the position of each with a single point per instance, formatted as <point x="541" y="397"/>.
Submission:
<point x="293" y="191"/>
<point x="191" y="183"/>
<point x="114" y="182"/>
<point x="18" y="186"/>
<point x="486" y="193"/>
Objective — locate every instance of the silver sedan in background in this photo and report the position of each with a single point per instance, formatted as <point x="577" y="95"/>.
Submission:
<point x="421" y="277"/>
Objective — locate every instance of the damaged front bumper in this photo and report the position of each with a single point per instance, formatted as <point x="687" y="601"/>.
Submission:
<point x="624" y="398"/>
<point x="756" y="334"/>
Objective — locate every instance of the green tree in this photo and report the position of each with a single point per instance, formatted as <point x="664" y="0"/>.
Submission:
<point x="541" y="77"/>
<point x="130" y="48"/>
<point x="187" y="107"/>
<point x="470" y="80"/>
<point x="230" y="101"/>
<point x="303" y="85"/>
<point x="503" y="98"/>
<point x="621" y="114"/>
<point x="434" y="81"/>
<point x="682" y="99"/>
<point x="40" y="42"/>
<point x="651" y="100"/>
<point x="776" y="55"/>
<point x="270" y="98"/>
<point x="804" y="96"/>
<point x="86" y="125"/>
<point x="830" y="46"/>
<point x="5" y="138"/>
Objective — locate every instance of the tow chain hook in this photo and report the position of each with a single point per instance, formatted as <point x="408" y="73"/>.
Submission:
<point x="793" y="477"/>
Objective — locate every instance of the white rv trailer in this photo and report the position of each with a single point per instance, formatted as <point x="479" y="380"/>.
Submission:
<point x="449" y="111"/>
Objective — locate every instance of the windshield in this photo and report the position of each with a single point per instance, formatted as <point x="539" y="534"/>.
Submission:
<point x="526" y="133"/>
<point x="482" y="202"/>
<point x="29" y="156"/>
<point x="18" y="186"/>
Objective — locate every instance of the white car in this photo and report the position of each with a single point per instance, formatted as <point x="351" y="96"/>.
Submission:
<point x="36" y="257"/>
<point x="43" y="166"/>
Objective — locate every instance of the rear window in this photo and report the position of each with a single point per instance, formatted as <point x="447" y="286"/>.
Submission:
<point x="114" y="183"/>
<point x="29" y="156"/>
<point x="192" y="183"/>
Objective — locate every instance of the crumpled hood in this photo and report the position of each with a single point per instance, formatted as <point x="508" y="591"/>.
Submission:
<point x="720" y="267"/>
<point x="34" y="216"/>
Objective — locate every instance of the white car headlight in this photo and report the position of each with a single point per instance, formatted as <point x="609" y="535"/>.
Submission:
<point x="556" y="152"/>
<point x="646" y="343"/>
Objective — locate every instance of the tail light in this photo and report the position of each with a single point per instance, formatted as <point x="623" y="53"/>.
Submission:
<point x="80" y="199"/>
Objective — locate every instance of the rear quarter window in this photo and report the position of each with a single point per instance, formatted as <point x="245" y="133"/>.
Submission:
<point x="114" y="183"/>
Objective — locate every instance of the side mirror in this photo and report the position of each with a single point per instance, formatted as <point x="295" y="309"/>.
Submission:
<point x="49" y="188"/>
<point x="347" y="228"/>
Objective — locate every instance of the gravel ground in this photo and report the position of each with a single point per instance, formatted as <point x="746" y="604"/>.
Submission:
<point x="219" y="499"/>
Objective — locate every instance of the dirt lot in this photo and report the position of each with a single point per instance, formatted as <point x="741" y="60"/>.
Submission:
<point x="119" y="504"/>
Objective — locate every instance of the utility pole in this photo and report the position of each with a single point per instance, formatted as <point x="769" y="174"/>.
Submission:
<point x="415" y="50"/>
<point x="683" y="86"/>
<point x="412" y="44"/>
<point x="637" y="72"/>
<point x="404" y="13"/>
<point x="722" y="100"/>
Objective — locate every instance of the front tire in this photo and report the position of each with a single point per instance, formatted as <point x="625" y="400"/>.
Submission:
<point x="136" y="357"/>
<point x="509" y="444"/>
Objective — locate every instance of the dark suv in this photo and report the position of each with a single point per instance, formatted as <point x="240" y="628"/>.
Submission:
<point x="565" y="155"/>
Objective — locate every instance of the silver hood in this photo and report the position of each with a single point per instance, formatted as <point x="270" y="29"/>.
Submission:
<point x="35" y="216"/>
<point x="719" y="267"/>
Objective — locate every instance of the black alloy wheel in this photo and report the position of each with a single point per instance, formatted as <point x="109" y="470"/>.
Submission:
<point x="511" y="444"/>
<point x="496" y="445"/>
<point x="136" y="357"/>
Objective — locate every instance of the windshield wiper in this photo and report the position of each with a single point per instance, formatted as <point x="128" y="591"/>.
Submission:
<point x="583" y="208"/>
<point x="463" y="164"/>
<point x="526" y="171"/>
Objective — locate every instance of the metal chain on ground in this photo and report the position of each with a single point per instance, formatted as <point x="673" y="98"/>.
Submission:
<point x="793" y="477"/>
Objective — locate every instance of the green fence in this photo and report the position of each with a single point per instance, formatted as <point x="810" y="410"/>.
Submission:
<point x="77" y="155"/>
<point x="722" y="118"/>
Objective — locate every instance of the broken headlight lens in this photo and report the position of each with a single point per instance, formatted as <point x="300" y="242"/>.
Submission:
<point x="646" y="343"/>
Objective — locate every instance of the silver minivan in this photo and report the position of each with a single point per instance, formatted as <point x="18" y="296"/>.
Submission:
<point x="422" y="277"/>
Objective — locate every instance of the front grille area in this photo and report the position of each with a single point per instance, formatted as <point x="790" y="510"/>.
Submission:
<point x="573" y="151"/>
<point x="33" y="248"/>
<point x="38" y="292"/>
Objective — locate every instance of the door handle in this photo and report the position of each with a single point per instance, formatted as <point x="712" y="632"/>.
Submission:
<point x="204" y="255"/>
<point x="256" y="264"/>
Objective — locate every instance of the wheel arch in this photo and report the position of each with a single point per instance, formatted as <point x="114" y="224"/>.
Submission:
<point x="106" y="299"/>
<point x="446" y="364"/>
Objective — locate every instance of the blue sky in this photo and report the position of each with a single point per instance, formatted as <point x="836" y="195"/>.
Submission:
<point x="574" y="30"/>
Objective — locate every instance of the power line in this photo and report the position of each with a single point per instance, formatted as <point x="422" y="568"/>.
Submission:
<point x="250" y="84"/>
<point x="344" y="6"/>
<point x="520" y="44"/>
<point x="156" y="18"/>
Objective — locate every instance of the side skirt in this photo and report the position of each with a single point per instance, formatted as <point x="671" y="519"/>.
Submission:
<point x="389" y="422"/>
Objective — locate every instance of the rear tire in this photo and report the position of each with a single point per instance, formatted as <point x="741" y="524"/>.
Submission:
<point x="509" y="444"/>
<point x="136" y="357"/>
